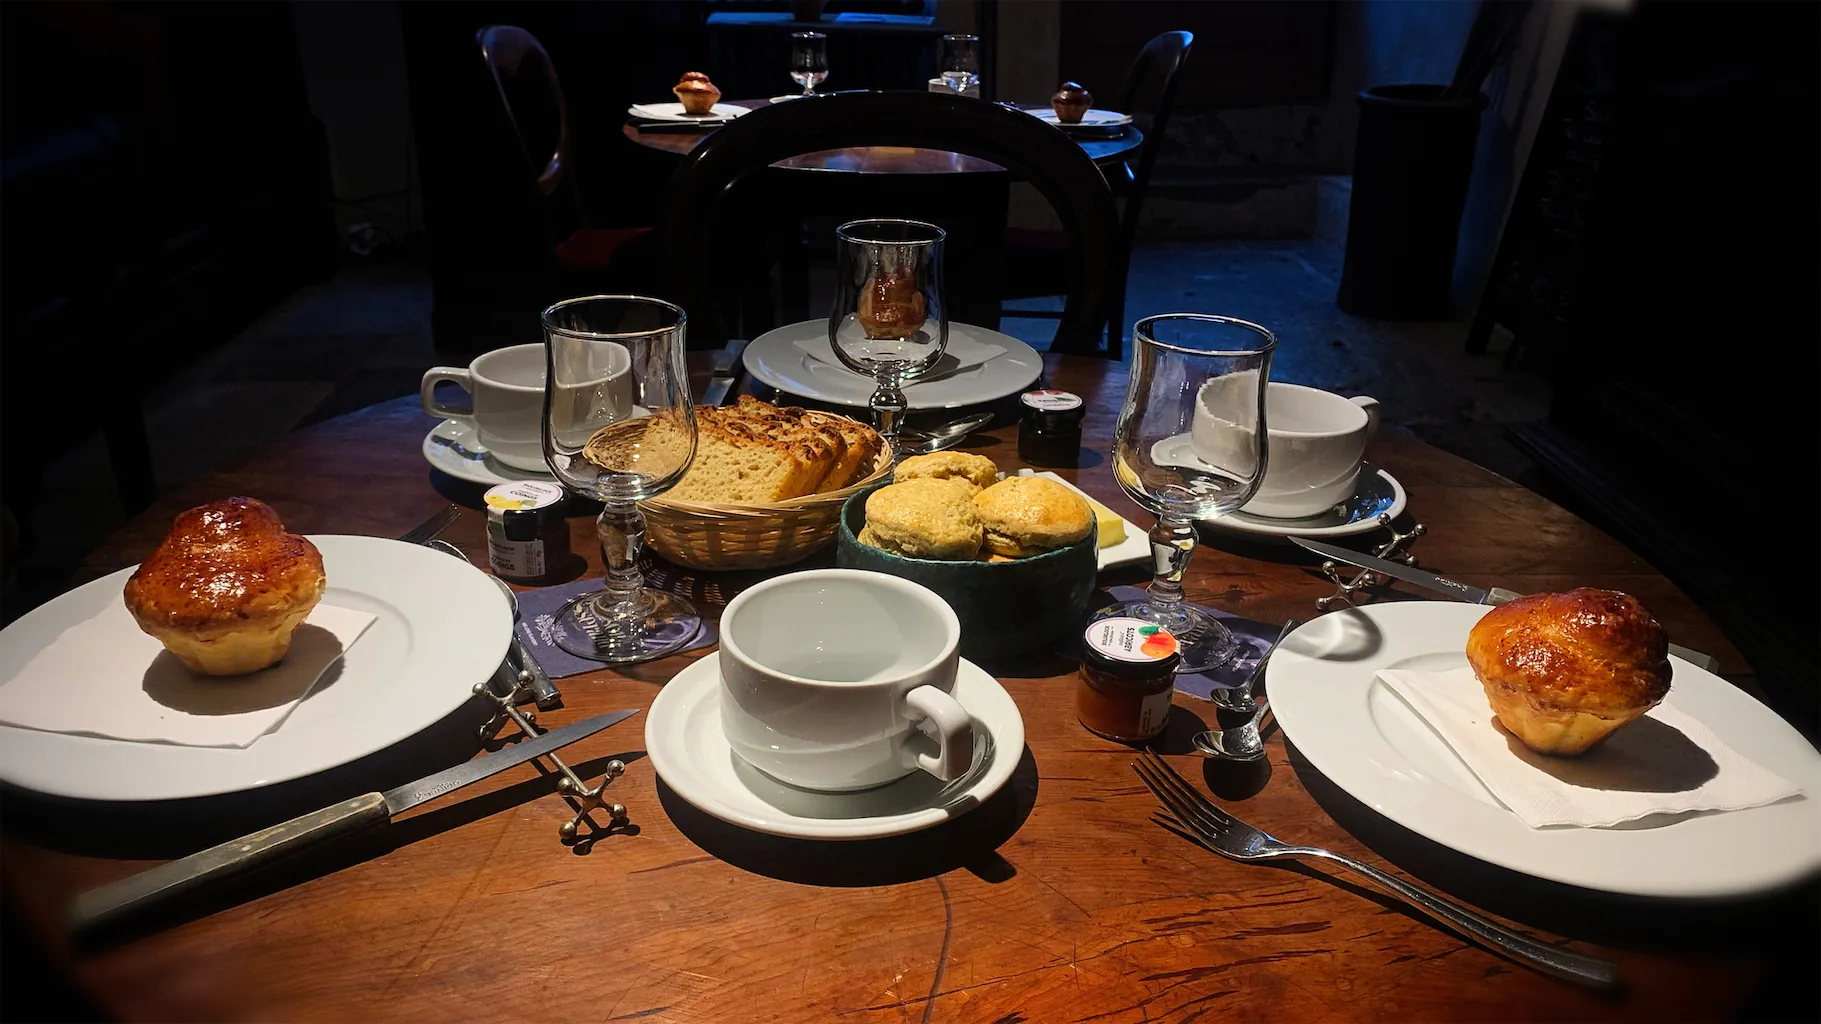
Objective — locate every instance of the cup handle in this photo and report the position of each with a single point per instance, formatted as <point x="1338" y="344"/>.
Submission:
<point x="456" y="375"/>
<point x="1371" y="406"/>
<point x="954" y="730"/>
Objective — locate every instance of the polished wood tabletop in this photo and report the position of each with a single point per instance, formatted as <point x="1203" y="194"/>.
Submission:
<point x="1056" y="900"/>
<point x="879" y="159"/>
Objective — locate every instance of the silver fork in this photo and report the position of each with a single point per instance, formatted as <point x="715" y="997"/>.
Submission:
<point x="1196" y="819"/>
<point x="432" y="526"/>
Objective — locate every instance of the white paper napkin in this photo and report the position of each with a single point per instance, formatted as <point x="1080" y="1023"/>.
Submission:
<point x="1666" y="762"/>
<point x="106" y="677"/>
<point x="961" y="353"/>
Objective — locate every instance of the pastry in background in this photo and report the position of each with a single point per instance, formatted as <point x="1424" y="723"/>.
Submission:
<point x="976" y="470"/>
<point x="1071" y="102"/>
<point x="696" y="93"/>
<point x="227" y="588"/>
<point x="1028" y="515"/>
<point x="924" y="519"/>
<point x="1564" y="671"/>
<point x="891" y="305"/>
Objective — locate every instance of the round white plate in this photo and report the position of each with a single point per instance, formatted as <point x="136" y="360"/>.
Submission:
<point x="1378" y="493"/>
<point x="1367" y="740"/>
<point x="1094" y="118"/>
<point x="441" y="627"/>
<point x="775" y="359"/>
<point x="453" y="447"/>
<point x="683" y="736"/>
<point x="674" y="112"/>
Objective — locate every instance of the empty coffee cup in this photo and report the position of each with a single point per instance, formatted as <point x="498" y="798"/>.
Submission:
<point x="1317" y="439"/>
<point x="506" y="387"/>
<point x="841" y="679"/>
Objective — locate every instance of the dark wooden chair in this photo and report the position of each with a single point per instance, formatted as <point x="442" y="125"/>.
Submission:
<point x="533" y="100"/>
<point x="1032" y="256"/>
<point x="1023" y="145"/>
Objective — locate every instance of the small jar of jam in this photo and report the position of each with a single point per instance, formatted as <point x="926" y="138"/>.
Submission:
<point x="1049" y="433"/>
<point x="527" y="534"/>
<point x="1128" y="671"/>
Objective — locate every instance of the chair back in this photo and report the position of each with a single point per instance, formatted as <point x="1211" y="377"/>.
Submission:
<point x="533" y="100"/>
<point x="1034" y="151"/>
<point x="1160" y="62"/>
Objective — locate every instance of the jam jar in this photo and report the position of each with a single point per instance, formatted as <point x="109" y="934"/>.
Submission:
<point x="527" y="534"/>
<point x="1128" y="671"/>
<point x="1049" y="432"/>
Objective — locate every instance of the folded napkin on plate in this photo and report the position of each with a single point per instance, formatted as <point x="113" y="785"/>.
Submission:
<point x="1664" y="763"/>
<point x="105" y="677"/>
<point x="959" y="354"/>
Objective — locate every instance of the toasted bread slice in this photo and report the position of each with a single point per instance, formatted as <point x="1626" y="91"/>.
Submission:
<point x="793" y="423"/>
<point x="861" y="443"/>
<point x="736" y="463"/>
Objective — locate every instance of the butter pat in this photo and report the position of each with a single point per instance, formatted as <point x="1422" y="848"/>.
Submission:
<point x="1110" y="527"/>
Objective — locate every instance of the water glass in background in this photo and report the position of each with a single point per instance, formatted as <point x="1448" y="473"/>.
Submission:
<point x="808" y="60"/>
<point x="960" y="66"/>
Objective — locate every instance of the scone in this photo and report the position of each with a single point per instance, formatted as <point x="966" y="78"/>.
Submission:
<point x="924" y="519"/>
<point x="227" y="588"/>
<point x="1563" y="671"/>
<point x="977" y="470"/>
<point x="1028" y="515"/>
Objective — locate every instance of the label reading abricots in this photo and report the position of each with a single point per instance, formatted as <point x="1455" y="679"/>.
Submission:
<point x="1128" y="639"/>
<point x="1051" y="401"/>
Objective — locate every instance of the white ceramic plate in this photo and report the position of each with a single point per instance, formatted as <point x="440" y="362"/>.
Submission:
<point x="674" y="112"/>
<point x="1094" y="118"/>
<point x="775" y="359"/>
<point x="441" y="627"/>
<point x="683" y="736"/>
<point x="453" y="447"/>
<point x="1378" y="492"/>
<point x="1137" y="544"/>
<point x="1367" y="740"/>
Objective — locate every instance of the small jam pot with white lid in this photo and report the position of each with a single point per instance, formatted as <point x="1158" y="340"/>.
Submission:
<point x="1128" y="672"/>
<point x="1049" y="431"/>
<point x="527" y="534"/>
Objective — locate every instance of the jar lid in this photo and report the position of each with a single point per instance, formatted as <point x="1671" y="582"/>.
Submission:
<point x="1051" y="401"/>
<point x="521" y="496"/>
<point x="1128" y="646"/>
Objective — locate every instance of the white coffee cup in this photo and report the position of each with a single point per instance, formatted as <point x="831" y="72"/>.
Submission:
<point x="840" y="679"/>
<point x="1317" y="439"/>
<point x="507" y="389"/>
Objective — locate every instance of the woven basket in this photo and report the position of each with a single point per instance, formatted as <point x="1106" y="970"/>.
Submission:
<point x="731" y="536"/>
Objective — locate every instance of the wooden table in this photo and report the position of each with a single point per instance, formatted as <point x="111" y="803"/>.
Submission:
<point x="1057" y="900"/>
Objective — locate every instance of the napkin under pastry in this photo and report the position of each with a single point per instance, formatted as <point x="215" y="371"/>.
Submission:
<point x="961" y="353"/>
<point x="1666" y="762"/>
<point x="105" y="677"/>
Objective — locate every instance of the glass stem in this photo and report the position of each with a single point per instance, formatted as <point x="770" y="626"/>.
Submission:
<point x="1173" y="543"/>
<point x="621" y="529"/>
<point x="888" y="409"/>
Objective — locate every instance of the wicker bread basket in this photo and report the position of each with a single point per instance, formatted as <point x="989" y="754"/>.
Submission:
<point x="728" y="536"/>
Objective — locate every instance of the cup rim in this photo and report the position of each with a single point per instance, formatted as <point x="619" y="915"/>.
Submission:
<point x="495" y="382"/>
<point x="1276" y="432"/>
<point x="843" y="233"/>
<point x="1141" y="335"/>
<point x="951" y="622"/>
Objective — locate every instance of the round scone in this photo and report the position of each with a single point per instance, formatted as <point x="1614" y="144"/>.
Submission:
<point x="924" y="519"/>
<point x="977" y="470"/>
<point x="1563" y="671"/>
<point x="227" y="588"/>
<point x="1028" y="515"/>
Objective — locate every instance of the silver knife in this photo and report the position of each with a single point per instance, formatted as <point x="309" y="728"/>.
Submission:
<point x="97" y="906"/>
<point x="1459" y="591"/>
<point x="724" y="375"/>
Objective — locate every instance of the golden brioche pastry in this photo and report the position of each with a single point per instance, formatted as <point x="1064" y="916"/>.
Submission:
<point x="891" y="306"/>
<point x="1563" y="671"/>
<point x="976" y="470"/>
<point x="923" y="519"/>
<point x="227" y="588"/>
<point x="696" y="93"/>
<point x="1028" y="515"/>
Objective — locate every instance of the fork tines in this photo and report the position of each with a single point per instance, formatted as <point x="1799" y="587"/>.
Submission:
<point x="1187" y="807"/>
<point x="432" y="526"/>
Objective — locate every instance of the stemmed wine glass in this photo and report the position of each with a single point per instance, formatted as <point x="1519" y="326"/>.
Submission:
<point x="960" y="62"/>
<point x="619" y="427"/>
<point x="890" y="315"/>
<point x="1190" y="444"/>
<point x="808" y="60"/>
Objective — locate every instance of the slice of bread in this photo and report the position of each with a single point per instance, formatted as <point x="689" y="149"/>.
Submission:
<point x="861" y="444"/>
<point x="736" y="463"/>
<point x="792" y="423"/>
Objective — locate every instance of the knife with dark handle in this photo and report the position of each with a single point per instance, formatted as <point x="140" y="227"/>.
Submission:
<point x="1459" y="591"/>
<point x="218" y="863"/>
<point x="726" y="373"/>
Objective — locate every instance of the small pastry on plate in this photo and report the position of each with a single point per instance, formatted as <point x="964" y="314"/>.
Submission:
<point x="1071" y="102"/>
<point x="1564" y="671"/>
<point x="891" y="305"/>
<point x="227" y="588"/>
<point x="696" y="93"/>
<point x="977" y="470"/>
<point x="1028" y="515"/>
<point x="924" y="519"/>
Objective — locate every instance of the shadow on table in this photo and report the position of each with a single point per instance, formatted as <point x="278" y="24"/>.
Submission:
<point x="969" y="841"/>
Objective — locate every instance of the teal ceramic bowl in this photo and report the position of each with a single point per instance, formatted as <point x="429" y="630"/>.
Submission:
<point x="1005" y="608"/>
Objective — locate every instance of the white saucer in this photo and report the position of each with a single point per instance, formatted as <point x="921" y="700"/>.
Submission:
<point x="683" y="736"/>
<point x="1378" y="493"/>
<point x="1094" y="118"/>
<point x="774" y="358"/>
<point x="453" y="448"/>
<point x="674" y="112"/>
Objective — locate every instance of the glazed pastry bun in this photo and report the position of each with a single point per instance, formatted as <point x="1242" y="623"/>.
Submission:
<point x="1563" y="671"/>
<point x="227" y="587"/>
<point x="1028" y="515"/>
<point x="696" y="93"/>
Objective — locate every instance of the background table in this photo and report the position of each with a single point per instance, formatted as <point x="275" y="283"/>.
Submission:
<point x="1057" y="900"/>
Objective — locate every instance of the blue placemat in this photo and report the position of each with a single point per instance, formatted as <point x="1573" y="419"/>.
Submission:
<point x="538" y="629"/>
<point x="1254" y="639"/>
